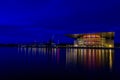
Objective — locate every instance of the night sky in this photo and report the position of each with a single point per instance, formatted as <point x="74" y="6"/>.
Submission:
<point x="30" y="20"/>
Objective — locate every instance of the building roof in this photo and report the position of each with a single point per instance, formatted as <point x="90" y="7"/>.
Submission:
<point x="102" y="34"/>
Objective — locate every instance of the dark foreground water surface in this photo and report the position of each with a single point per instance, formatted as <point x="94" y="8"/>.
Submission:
<point x="59" y="63"/>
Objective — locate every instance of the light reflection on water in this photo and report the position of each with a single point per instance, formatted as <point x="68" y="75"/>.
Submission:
<point x="90" y="58"/>
<point x="87" y="58"/>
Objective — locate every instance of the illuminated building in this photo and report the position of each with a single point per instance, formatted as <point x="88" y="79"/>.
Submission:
<point x="103" y="39"/>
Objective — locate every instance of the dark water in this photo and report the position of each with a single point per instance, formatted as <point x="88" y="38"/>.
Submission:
<point x="59" y="63"/>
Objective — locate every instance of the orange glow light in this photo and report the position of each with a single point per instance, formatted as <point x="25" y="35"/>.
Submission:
<point x="91" y="36"/>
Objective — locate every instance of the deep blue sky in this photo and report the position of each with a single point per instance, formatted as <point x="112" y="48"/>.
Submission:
<point x="29" y="20"/>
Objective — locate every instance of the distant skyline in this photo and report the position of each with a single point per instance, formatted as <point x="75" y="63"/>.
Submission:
<point x="30" y="20"/>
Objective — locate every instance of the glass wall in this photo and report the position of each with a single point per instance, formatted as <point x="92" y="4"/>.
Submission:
<point x="105" y="39"/>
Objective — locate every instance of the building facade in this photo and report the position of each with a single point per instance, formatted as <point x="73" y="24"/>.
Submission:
<point x="103" y="39"/>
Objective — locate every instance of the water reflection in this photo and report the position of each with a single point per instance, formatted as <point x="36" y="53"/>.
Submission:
<point x="90" y="58"/>
<point x="86" y="58"/>
<point x="53" y="53"/>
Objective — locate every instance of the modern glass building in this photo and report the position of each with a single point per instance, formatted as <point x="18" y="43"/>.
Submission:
<point x="102" y="39"/>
